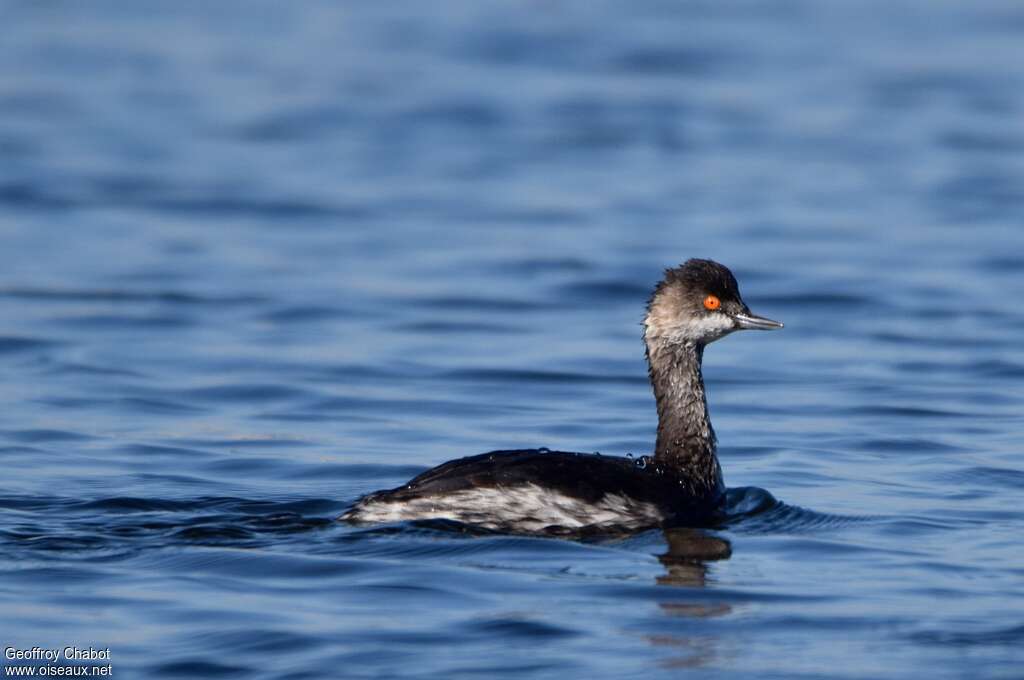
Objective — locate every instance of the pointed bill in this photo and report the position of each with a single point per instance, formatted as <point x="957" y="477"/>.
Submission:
<point x="759" y="323"/>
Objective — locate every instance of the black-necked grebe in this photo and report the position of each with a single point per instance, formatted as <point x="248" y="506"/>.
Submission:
<point x="540" y="491"/>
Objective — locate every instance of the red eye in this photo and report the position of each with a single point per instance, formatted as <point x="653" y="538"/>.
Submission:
<point x="712" y="303"/>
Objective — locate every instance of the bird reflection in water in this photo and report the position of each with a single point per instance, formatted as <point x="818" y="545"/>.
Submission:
<point x="686" y="565"/>
<point x="689" y="551"/>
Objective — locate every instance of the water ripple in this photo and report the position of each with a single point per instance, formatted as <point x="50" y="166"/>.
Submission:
<point x="754" y="510"/>
<point x="301" y="251"/>
<point x="120" y="295"/>
<point x="13" y="344"/>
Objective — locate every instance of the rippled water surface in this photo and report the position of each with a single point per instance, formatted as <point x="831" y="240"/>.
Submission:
<point x="260" y="258"/>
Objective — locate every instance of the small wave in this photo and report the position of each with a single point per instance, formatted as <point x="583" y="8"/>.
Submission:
<point x="674" y="60"/>
<point x="906" y="411"/>
<point x="748" y="501"/>
<point x="478" y="304"/>
<point x="67" y="368"/>
<point x="129" y="504"/>
<point x="998" y="637"/>
<point x="127" y="522"/>
<point x="827" y="300"/>
<point x="905" y="445"/>
<point x="754" y="510"/>
<point x="125" y="321"/>
<point x="545" y="265"/>
<point x="441" y="326"/>
<point x="517" y="628"/>
<point x="130" y="404"/>
<point x="45" y="435"/>
<point x="986" y="476"/>
<point x="541" y="376"/>
<point x="606" y="290"/>
<point x="357" y="406"/>
<point x="305" y="313"/>
<point x="172" y="297"/>
<point x="996" y="368"/>
<point x="244" y="392"/>
<point x="295" y="124"/>
<point x="426" y="527"/>
<point x="12" y="344"/>
<point x="1003" y="262"/>
<point x="198" y="668"/>
<point x="982" y="141"/>
<point x="350" y="472"/>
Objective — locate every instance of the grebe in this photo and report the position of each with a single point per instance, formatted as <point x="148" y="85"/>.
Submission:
<point x="541" y="491"/>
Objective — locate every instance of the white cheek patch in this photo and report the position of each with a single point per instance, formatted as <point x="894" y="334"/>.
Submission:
<point x="663" y="321"/>
<point x="705" y="329"/>
<point x="529" y="508"/>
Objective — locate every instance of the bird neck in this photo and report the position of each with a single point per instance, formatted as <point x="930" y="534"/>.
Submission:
<point x="686" y="441"/>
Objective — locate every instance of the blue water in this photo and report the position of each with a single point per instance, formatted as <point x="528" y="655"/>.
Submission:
<point x="260" y="258"/>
